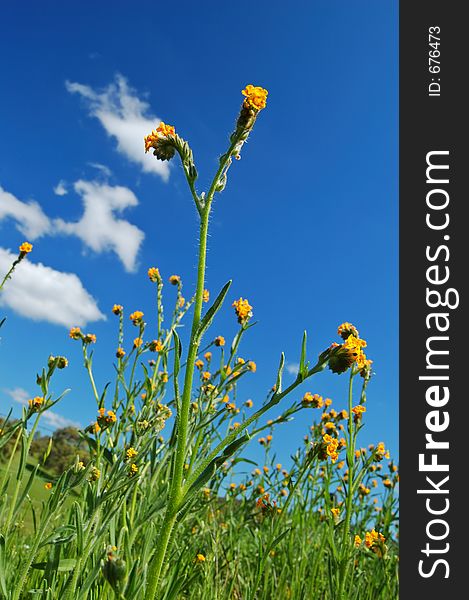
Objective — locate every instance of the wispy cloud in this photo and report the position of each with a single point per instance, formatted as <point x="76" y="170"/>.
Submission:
<point x="44" y="294"/>
<point x="99" y="228"/>
<point x="124" y="117"/>
<point x="51" y="418"/>
<point x="106" y="171"/>
<point x="60" y="189"/>
<point x="29" y="217"/>
<point x="292" y="368"/>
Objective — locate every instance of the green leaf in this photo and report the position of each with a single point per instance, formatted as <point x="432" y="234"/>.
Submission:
<point x="278" y="383"/>
<point x="212" y="311"/>
<point x="212" y="467"/>
<point x="303" y="369"/>
<point x="79" y="527"/>
<point x="279" y="538"/>
<point x="66" y="564"/>
<point x="3" y="586"/>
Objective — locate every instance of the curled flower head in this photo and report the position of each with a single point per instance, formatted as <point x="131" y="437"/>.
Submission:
<point x="219" y="341"/>
<point x="200" y="558"/>
<point x="248" y="403"/>
<point x="120" y="352"/>
<point x="347" y="329"/>
<point x="117" y="309"/>
<point x="154" y="274"/>
<point x="161" y="140"/>
<point x="25" y="248"/>
<point x="256" y="97"/>
<point x="252" y="366"/>
<point x="138" y="342"/>
<point x="208" y="356"/>
<point x="48" y="485"/>
<point x="206" y="296"/>
<point x="243" y="310"/>
<point x="57" y="361"/>
<point x="136" y="317"/>
<point x="133" y="470"/>
<point x="175" y="280"/>
<point x="358" y="411"/>
<point x="357" y="541"/>
<point x="75" y="333"/>
<point x="89" y="338"/>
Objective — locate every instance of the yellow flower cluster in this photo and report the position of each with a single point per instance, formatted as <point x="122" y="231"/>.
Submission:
<point x="332" y="445"/>
<point x="314" y="400"/>
<point x="154" y="274"/>
<point x="243" y="310"/>
<point x="256" y="97"/>
<point x="161" y="132"/>
<point x="372" y="538"/>
<point x="25" y="248"/>
<point x="136" y="317"/>
<point x="156" y="346"/>
<point x="36" y="403"/>
<point x="347" y="329"/>
<point x="117" y="309"/>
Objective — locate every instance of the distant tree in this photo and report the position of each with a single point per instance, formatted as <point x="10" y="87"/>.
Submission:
<point x="66" y="444"/>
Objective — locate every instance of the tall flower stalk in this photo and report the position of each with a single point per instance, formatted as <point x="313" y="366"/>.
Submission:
<point x="165" y="142"/>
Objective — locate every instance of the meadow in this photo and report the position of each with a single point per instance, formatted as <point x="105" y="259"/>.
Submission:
<point x="166" y="504"/>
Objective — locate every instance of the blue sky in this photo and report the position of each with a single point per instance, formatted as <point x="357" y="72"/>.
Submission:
<point x="307" y="227"/>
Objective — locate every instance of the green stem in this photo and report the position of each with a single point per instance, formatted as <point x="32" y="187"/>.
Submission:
<point x="343" y="568"/>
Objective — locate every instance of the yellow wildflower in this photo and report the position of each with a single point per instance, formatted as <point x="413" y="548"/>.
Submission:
<point x="36" y="403"/>
<point x="138" y="342"/>
<point x="256" y="97"/>
<point x="162" y="131"/>
<point x="347" y="329"/>
<point x="154" y="274"/>
<point x="156" y="346"/>
<point x="205" y="296"/>
<point x="120" y="352"/>
<point x="357" y="541"/>
<point x="117" y="309"/>
<point x="219" y="341"/>
<point x="131" y="453"/>
<point x="243" y="310"/>
<point x="75" y="333"/>
<point x="175" y="280"/>
<point x="136" y="317"/>
<point x="48" y="485"/>
<point x="25" y="248"/>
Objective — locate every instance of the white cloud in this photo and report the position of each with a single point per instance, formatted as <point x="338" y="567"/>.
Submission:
<point x="99" y="228"/>
<point x="60" y="189"/>
<point x="125" y="117"/>
<point x="29" y="216"/>
<point x="106" y="171"/>
<point x="292" y="368"/>
<point x="44" y="294"/>
<point x="52" y="418"/>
